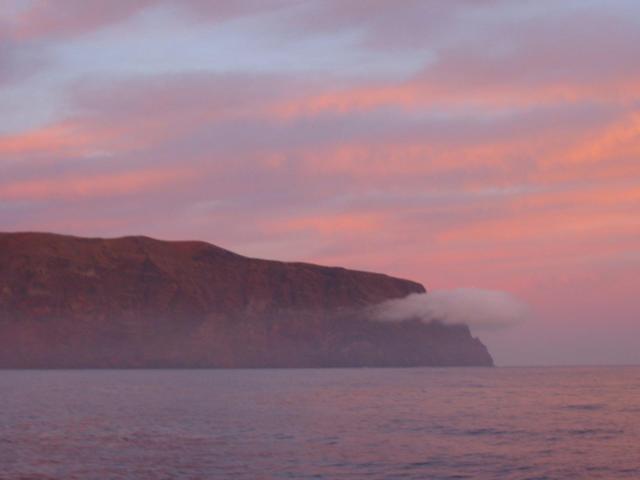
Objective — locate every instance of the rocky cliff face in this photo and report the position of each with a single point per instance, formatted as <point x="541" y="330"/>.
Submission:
<point x="137" y="302"/>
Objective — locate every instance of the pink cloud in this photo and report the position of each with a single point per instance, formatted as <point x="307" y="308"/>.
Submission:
<point x="508" y="162"/>
<point x="79" y="186"/>
<point x="45" y="19"/>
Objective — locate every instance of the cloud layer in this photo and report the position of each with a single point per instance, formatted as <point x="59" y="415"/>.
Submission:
<point x="466" y="142"/>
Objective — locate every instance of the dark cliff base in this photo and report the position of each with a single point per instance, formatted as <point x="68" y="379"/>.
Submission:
<point x="135" y="302"/>
<point x="293" y="340"/>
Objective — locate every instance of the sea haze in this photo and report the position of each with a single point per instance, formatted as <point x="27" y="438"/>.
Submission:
<point x="480" y="423"/>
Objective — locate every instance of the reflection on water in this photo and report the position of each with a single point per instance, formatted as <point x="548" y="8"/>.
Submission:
<point x="504" y="423"/>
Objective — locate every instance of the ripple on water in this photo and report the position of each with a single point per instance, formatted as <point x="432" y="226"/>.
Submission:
<point x="323" y="424"/>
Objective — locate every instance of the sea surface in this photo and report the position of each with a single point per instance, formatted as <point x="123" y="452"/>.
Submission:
<point x="420" y="423"/>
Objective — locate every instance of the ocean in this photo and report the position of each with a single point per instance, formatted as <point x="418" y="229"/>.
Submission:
<point x="416" y="423"/>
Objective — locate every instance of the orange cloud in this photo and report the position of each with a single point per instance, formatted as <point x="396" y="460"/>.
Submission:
<point x="60" y="138"/>
<point x="619" y="140"/>
<point x="95" y="185"/>
<point x="419" y="94"/>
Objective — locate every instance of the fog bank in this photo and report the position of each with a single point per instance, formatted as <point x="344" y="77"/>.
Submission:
<point x="480" y="309"/>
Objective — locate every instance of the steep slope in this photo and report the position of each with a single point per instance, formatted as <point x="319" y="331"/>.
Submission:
<point x="139" y="302"/>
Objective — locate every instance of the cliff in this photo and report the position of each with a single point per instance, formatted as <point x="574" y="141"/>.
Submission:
<point x="69" y="302"/>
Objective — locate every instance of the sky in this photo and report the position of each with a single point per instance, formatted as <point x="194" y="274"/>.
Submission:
<point x="474" y="144"/>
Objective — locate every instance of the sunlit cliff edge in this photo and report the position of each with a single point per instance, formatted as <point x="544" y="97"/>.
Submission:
<point x="136" y="302"/>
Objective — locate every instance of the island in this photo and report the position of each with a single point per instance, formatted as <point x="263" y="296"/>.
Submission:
<point x="137" y="302"/>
